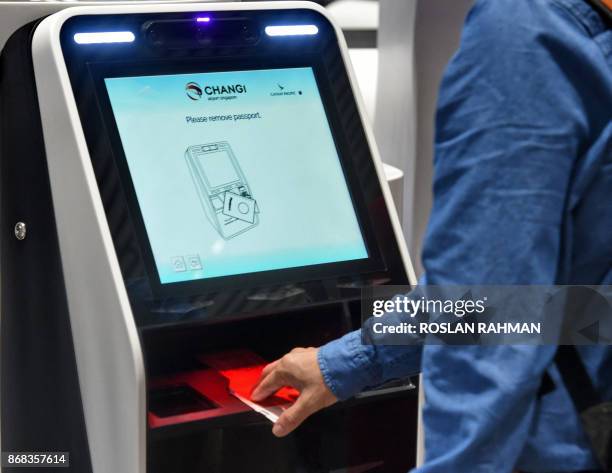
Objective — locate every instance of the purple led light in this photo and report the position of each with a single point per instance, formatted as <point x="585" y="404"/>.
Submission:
<point x="203" y="19"/>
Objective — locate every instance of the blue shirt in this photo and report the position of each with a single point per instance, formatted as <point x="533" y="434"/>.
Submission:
<point x="522" y="195"/>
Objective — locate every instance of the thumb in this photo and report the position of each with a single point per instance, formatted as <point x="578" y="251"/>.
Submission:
<point x="293" y="417"/>
<point x="267" y="386"/>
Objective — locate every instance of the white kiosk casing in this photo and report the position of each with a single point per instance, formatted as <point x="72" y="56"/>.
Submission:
<point x="107" y="348"/>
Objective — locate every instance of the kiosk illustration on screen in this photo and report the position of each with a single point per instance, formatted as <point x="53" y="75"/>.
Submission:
<point x="223" y="189"/>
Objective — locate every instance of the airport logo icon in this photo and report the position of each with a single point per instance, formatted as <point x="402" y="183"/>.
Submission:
<point x="193" y="91"/>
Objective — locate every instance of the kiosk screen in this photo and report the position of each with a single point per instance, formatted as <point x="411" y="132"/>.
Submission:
<point x="235" y="172"/>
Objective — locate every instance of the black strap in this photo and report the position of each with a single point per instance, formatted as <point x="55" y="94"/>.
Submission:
<point x="595" y="415"/>
<point x="576" y="379"/>
<point x="547" y="385"/>
<point x="602" y="9"/>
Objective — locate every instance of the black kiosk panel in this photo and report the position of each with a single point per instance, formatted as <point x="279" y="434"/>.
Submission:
<point x="247" y="214"/>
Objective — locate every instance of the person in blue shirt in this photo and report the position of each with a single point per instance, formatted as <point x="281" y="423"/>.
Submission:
<point x="522" y="195"/>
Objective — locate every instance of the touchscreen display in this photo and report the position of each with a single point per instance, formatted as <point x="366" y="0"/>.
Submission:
<point x="235" y="172"/>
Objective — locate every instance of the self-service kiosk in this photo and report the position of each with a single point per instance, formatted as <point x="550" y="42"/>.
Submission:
<point x="187" y="191"/>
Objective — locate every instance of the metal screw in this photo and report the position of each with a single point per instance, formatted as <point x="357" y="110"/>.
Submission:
<point x="20" y="230"/>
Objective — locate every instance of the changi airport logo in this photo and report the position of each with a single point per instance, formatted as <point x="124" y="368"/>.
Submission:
<point x="193" y="91"/>
<point x="224" y="92"/>
<point x="225" y="89"/>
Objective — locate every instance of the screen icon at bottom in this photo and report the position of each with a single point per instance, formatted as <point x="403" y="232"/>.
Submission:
<point x="194" y="262"/>
<point x="178" y="264"/>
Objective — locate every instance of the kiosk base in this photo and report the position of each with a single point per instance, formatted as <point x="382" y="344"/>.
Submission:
<point x="222" y="435"/>
<point x="353" y="437"/>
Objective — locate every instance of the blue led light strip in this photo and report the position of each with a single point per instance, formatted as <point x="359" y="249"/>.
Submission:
<point x="291" y="30"/>
<point x="104" y="37"/>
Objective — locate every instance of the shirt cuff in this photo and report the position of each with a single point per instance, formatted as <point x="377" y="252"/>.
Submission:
<point x="346" y="367"/>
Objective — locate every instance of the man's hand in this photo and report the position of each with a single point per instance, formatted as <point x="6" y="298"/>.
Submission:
<point x="300" y="370"/>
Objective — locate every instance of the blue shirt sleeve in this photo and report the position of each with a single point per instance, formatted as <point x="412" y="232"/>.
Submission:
<point x="511" y="125"/>
<point x="349" y="367"/>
